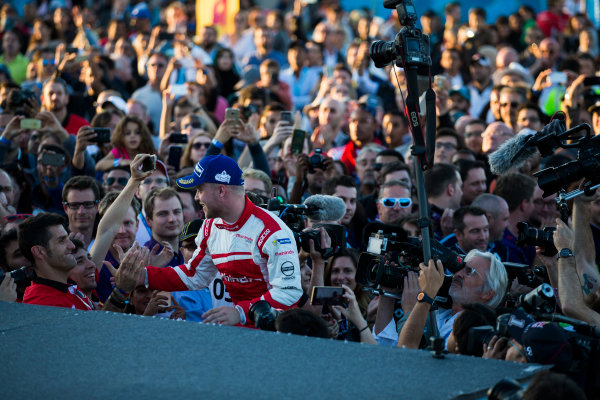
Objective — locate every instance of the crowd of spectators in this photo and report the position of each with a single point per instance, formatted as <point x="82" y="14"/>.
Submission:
<point x="87" y="218"/>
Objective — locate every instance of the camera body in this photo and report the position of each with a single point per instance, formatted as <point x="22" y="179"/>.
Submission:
<point x="315" y="161"/>
<point x="537" y="237"/>
<point x="16" y="99"/>
<point x="263" y="315"/>
<point x="410" y="47"/>
<point x="389" y="258"/>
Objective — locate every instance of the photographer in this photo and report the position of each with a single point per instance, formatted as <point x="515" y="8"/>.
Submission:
<point x="482" y="280"/>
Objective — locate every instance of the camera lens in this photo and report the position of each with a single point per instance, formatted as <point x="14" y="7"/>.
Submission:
<point x="382" y="53"/>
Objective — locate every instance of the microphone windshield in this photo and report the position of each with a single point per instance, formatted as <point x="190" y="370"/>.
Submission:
<point x="325" y="208"/>
<point x="501" y="161"/>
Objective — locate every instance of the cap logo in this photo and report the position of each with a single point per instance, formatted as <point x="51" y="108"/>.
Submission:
<point x="186" y="181"/>
<point x="199" y="170"/>
<point x="223" y="177"/>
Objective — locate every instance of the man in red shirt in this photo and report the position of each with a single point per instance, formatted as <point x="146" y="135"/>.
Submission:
<point x="44" y="241"/>
<point x="55" y="100"/>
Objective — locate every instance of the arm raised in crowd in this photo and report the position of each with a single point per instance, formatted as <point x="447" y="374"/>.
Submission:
<point x="132" y="264"/>
<point x="431" y="279"/>
<point x="85" y="138"/>
<point x="583" y="246"/>
<point x="569" y="285"/>
<point x="111" y="221"/>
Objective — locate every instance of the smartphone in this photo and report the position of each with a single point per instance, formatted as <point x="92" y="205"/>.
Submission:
<point x="327" y="295"/>
<point x="102" y="135"/>
<point x="179" y="90"/>
<point x="591" y="81"/>
<point x="53" y="159"/>
<point x="232" y="114"/>
<point x="169" y="297"/>
<point x="440" y="82"/>
<point x="178" y="138"/>
<point x="149" y="163"/>
<point x="287" y="117"/>
<point x="558" y="78"/>
<point x="31" y="123"/>
<point x="174" y="157"/>
<point x="298" y="137"/>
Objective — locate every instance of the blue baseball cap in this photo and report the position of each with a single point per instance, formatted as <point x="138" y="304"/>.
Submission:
<point x="218" y="169"/>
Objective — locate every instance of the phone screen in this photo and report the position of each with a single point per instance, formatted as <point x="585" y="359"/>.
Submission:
<point x="327" y="295"/>
<point x="298" y="141"/>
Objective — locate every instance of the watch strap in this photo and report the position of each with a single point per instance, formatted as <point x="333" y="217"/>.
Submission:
<point x="422" y="297"/>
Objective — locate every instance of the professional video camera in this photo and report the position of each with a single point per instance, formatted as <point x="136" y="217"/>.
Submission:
<point x="410" y="44"/>
<point x="18" y="275"/>
<point x="532" y="277"/>
<point x="390" y="256"/>
<point x="537" y="237"/>
<point x="319" y="208"/>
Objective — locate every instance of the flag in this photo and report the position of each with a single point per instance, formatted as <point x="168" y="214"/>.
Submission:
<point x="219" y="13"/>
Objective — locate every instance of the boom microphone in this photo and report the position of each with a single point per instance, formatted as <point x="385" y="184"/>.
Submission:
<point x="324" y="208"/>
<point x="513" y="153"/>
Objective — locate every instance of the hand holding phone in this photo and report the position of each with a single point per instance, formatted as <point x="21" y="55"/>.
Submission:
<point x="149" y="163"/>
<point x="298" y="137"/>
<point x="327" y="295"/>
<point x="232" y="114"/>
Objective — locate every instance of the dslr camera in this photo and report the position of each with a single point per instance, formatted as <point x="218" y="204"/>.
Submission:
<point x="537" y="237"/>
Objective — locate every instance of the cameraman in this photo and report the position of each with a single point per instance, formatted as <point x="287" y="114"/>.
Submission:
<point x="482" y="280"/>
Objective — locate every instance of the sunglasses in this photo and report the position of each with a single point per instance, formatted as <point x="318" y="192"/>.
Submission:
<point x="194" y="125"/>
<point x="16" y="217"/>
<point x="158" y="181"/>
<point x="198" y="146"/>
<point x="120" y="181"/>
<point x="512" y="104"/>
<point x="48" y="62"/>
<point x="390" y="202"/>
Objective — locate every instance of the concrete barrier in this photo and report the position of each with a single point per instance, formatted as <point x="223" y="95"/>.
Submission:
<point x="57" y="353"/>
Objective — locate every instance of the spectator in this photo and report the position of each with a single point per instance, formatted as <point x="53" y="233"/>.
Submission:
<point x="43" y="240"/>
<point x="263" y="40"/>
<point x="474" y="180"/>
<point x="447" y="141"/>
<point x="301" y="78"/>
<point x="443" y="186"/>
<point x="517" y="190"/>
<point x="345" y="188"/>
<point x="471" y="229"/>
<point x="80" y="201"/>
<point x="84" y="273"/>
<point x="12" y="57"/>
<point x="150" y="94"/>
<point x="480" y="87"/>
<point x="473" y="136"/>
<point x="496" y="211"/>
<point x="494" y="135"/>
<point x="55" y="100"/>
<point x="394" y="202"/>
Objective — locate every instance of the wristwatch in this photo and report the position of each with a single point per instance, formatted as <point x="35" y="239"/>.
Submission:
<point x="564" y="253"/>
<point x="423" y="298"/>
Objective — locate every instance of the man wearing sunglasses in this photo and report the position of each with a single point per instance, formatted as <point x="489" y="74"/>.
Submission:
<point x="394" y="202"/>
<point x="115" y="179"/>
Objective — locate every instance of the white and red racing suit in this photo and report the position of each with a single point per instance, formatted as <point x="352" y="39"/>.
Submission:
<point x="256" y="257"/>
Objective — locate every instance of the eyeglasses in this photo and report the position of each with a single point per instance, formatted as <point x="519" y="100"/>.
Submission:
<point x="88" y="205"/>
<point x="159" y="65"/>
<point x="470" y="271"/>
<point x="6" y="189"/>
<point x="198" y="146"/>
<point x="512" y="104"/>
<point x="15" y="217"/>
<point x="445" y="145"/>
<point x="158" y="181"/>
<point x="48" y="62"/>
<point x="390" y="202"/>
<point x="120" y="181"/>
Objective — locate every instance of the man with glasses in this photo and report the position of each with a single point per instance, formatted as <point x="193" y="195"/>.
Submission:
<point x="115" y="179"/>
<point x="473" y="131"/>
<point x="158" y="179"/>
<point x="80" y="197"/>
<point x="447" y="141"/>
<point x="394" y="202"/>
<point x="510" y="100"/>
<point x="150" y="95"/>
